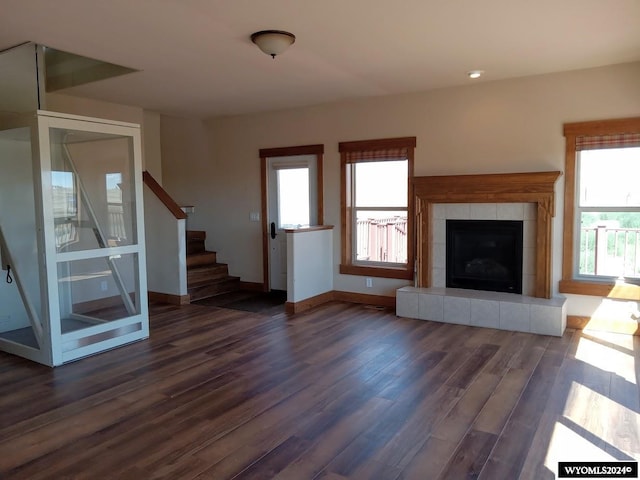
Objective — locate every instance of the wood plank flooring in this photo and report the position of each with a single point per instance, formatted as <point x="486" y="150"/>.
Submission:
<point x="340" y="392"/>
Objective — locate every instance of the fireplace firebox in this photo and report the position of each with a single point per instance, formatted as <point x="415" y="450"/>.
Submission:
<point x="484" y="255"/>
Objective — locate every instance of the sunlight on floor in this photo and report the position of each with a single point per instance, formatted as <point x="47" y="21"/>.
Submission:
<point x="601" y="415"/>
<point x="581" y="435"/>
<point x="566" y="445"/>
<point x="602" y="420"/>
<point x="610" y="352"/>
<point x="615" y="315"/>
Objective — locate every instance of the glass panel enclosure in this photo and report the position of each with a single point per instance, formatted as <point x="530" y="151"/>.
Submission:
<point x="92" y="190"/>
<point x="96" y="235"/>
<point x="71" y="233"/>
<point x="97" y="290"/>
<point x="72" y="278"/>
<point x="21" y="299"/>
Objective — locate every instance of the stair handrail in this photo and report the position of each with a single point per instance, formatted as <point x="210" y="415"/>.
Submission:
<point x="100" y="236"/>
<point x="163" y="196"/>
<point x="34" y="319"/>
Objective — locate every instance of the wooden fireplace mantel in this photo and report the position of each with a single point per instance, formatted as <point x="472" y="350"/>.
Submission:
<point x="533" y="187"/>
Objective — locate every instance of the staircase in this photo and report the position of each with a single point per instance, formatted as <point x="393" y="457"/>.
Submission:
<point x="205" y="276"/>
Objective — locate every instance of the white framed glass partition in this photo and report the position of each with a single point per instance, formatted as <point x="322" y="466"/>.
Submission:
<point x="23" y="300"/>
<point x="88" y="226"/>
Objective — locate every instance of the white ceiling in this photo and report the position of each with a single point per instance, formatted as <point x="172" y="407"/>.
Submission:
<point x="196" y="58"/>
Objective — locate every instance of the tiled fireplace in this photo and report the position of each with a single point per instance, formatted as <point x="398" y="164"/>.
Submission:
<point x="522" y="197"/>
<point x="525" y="212"/>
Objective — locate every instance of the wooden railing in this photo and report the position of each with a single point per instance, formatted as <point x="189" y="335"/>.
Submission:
<point x="382" y="240"/>
<point x="163" y="196"/>
<point x="166" y="250"/>
<point x="610" y="251"/>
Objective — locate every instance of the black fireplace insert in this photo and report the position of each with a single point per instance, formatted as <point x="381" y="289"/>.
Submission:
<point x="484" y="255"/>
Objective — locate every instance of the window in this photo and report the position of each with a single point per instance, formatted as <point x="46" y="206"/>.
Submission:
<point x="602" y="206"/>
<point x="115" y="209"/>
<point x="293" y="197"/>
<point x="65" y="207"/>
<point x="377" y="207"/>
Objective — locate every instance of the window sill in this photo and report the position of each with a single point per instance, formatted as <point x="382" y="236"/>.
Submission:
<point x="384" y="272"/>
<point x="619" y="290"/>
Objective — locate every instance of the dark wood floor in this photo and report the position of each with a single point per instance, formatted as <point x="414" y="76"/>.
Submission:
<point x="343" y="391"/>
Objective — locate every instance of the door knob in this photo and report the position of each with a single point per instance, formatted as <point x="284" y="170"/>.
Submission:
<point x="273" y="230"/>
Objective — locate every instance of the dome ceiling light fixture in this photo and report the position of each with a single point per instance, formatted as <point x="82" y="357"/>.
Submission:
<point x="273" y="42"/>
<point x="475" y="73"/>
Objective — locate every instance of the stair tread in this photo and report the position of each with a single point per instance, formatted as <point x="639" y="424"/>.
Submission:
<point x="196" y="241"/>
<point x="200" y="258"/>
<point x="214" y="281"/>
<point x="206" y="266"/>
<point x="197" y="254"/>
<point x="224" y="285"/>
<point x="207" y="276"/>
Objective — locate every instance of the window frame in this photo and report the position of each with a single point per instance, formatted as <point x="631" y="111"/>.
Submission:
<point x="571" y="281"/>
<point x="347" y="210"/>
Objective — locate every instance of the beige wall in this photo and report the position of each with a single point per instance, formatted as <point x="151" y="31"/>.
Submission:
<point x="151" y="150"/>
<point x="149" y="123"/>
<point x="187" y="171"/>
<point x="489" y="127"/>
<point x="60" y="102"/>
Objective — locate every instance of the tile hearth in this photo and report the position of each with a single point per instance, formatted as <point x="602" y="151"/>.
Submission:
<point x="503" y="311"/>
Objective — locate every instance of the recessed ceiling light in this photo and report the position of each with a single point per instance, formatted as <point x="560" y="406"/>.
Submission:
<point x="475" y="73"/>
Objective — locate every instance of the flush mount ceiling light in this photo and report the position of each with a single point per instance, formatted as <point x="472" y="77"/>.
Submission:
<point x="273" y="42"/>
<point x="475" y="73"/>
